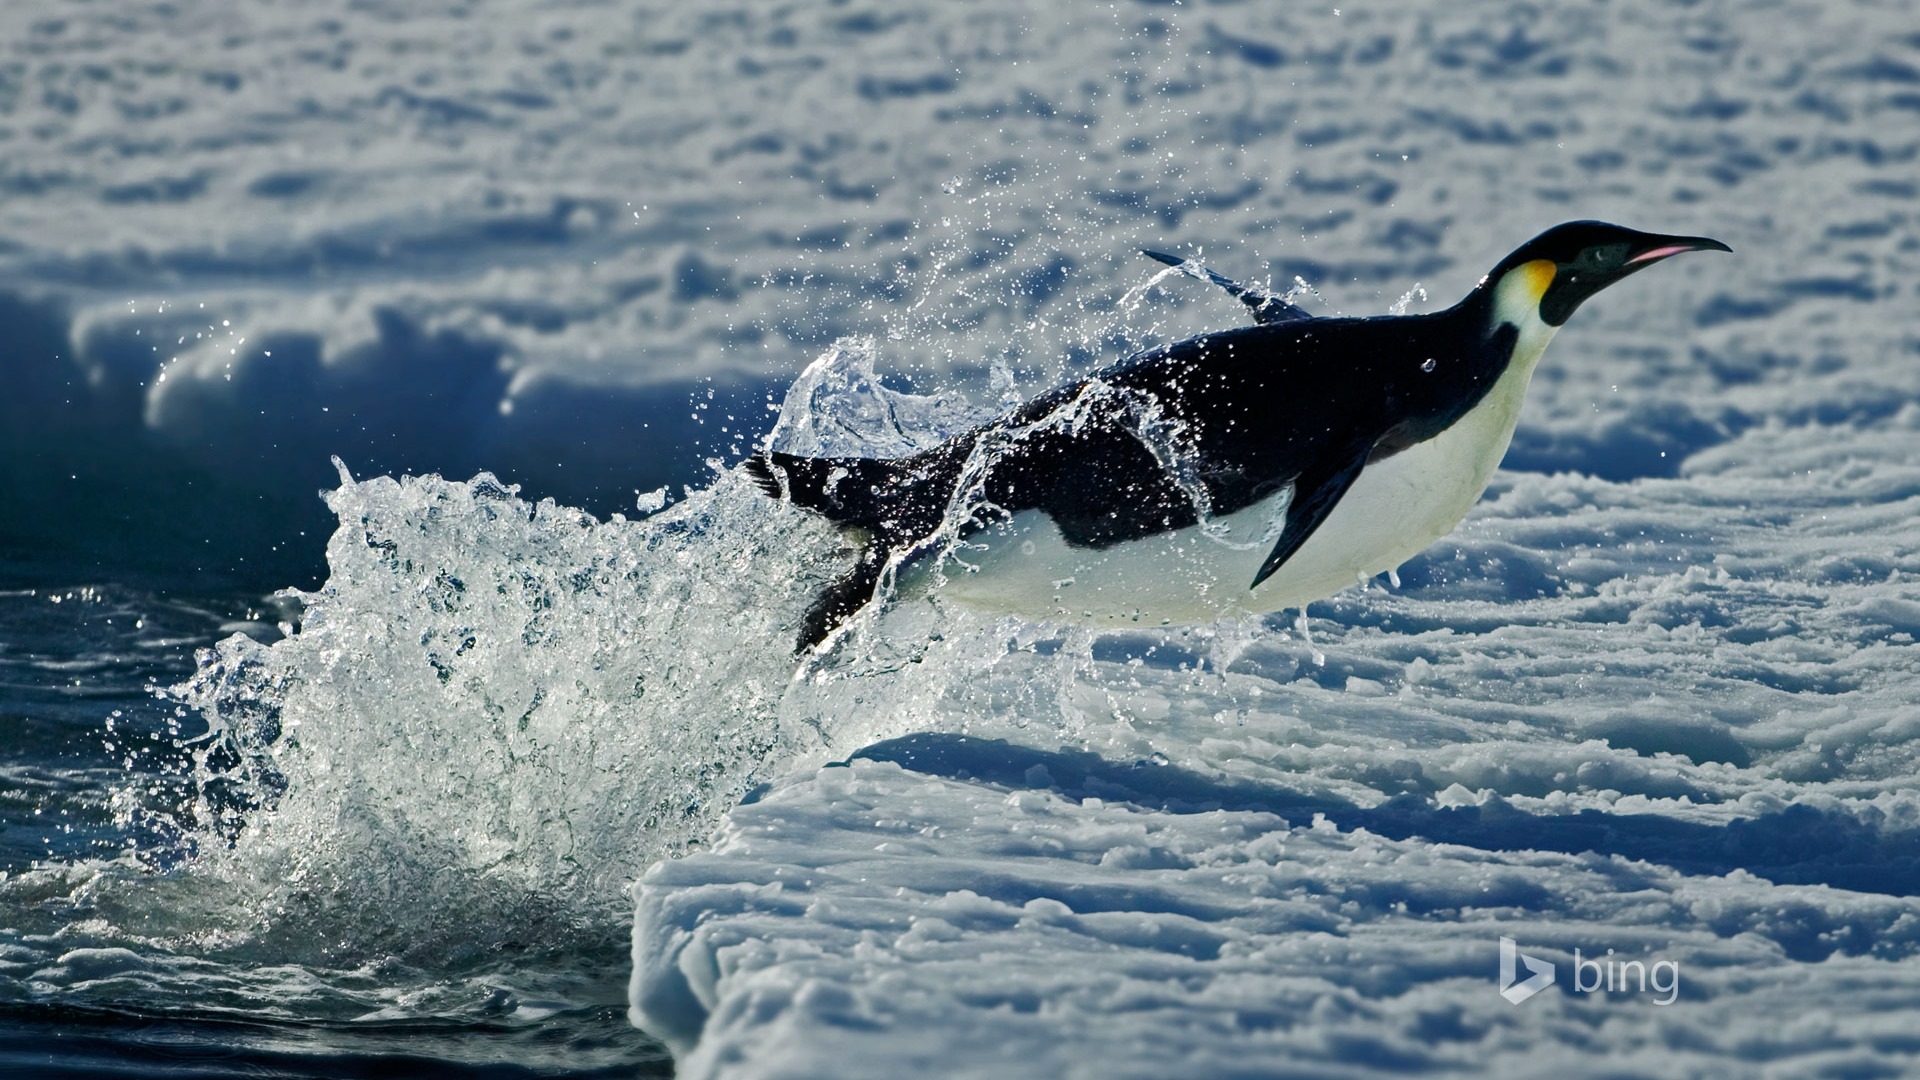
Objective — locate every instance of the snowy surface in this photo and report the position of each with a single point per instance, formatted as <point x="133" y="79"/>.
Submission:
<point x="1679" y="730"/>
<point x="1655" y="696"/>
<point x="872" y="921"/>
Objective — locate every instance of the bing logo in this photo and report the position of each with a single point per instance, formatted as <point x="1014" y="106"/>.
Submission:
<point x="1613" y="976"/>
<point x="1512" y="987"/>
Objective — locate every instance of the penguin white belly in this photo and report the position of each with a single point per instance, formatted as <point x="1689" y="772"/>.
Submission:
<point x="1394" y="509"/>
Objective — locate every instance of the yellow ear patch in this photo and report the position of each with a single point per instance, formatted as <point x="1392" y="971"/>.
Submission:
<point x="1536" y="276"/>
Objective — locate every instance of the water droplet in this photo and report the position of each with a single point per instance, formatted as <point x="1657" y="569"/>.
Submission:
<point x="1427" y="364"/>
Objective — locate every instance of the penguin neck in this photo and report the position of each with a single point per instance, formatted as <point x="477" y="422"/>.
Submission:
<point x="1513" y="299"/>
<point x="1504" y="312"/>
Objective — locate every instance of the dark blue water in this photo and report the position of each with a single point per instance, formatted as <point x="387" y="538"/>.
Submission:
<point x="105" y="970"/>
<point x="54" y="1040"/>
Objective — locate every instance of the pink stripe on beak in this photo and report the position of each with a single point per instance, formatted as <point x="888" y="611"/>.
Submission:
<point x="1658" y="253"/>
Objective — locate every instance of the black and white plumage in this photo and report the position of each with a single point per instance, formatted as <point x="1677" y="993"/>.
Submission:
<point x="1249" y="470"/>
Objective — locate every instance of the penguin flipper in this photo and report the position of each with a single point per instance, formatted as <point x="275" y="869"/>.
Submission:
<point x="1267" y="308"/>
<point x="1315" y="493"/>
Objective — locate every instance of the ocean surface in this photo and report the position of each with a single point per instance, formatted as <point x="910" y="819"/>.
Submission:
<point x="395" y="671"/>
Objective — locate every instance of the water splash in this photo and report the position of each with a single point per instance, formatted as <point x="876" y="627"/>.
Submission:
<point x="1399" y="307"/>
<point x="496" y="713"/>
<point x="838" y="407"/>
<point x="494" y="707"/>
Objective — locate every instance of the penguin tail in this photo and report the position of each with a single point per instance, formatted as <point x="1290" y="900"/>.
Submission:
<point x="760" y="471"/>
<point x="848" y="491"/>
<point x="888" y="504"/>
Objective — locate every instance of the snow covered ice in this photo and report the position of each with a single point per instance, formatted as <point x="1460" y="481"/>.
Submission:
<point x="1655" y="696"/>
<point x="1695" y="748"/>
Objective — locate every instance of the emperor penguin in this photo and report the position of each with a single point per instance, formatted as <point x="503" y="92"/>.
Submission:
<point x="1245" y="471"/>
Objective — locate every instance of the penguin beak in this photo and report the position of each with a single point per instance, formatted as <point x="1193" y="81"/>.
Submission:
<point x="1661" y="247"/>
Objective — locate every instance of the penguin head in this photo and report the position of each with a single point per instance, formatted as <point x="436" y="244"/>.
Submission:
<point x="1563" y="266"/>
